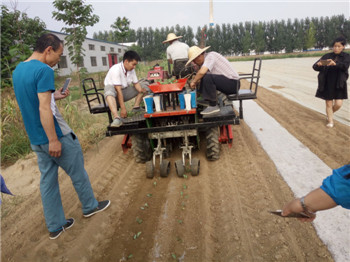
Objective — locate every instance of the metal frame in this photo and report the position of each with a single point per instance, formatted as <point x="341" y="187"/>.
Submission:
<point x="251" y="93"/>
<point x="102" y="106"/>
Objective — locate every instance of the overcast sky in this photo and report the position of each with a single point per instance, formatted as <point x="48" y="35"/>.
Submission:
<point x="193" y="13"/>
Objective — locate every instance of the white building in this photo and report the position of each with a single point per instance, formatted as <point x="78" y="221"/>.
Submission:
<point x="99" y="55"/>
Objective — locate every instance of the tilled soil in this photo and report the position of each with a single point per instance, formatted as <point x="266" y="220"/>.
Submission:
<point x="220" y="215"/>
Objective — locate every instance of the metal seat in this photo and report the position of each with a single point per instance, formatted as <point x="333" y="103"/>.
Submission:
<point x="95" y="99"/>
<point x="251" y="93"/>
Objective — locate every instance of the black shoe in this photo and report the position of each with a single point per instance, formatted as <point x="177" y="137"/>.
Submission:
<point x="56" y="234"/>
<point x="101" y="206"/>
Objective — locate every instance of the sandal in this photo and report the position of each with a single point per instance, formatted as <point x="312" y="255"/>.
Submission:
<point x="330" y="125"/>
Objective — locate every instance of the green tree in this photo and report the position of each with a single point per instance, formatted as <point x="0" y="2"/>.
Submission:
<point x="18" y="37"/>
<point x="77" y="16"/>
<point x="121" y="29"/>
<point x="259" y="41"/>
<point x="310" y="36"/>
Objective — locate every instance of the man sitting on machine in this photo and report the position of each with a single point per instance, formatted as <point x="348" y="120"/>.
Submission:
<point x="216" y="73"/>
<point x="177" y="54"/>
<point x="121" y="85"/>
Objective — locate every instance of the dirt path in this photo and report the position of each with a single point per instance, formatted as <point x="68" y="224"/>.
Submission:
<point x="221" y="215"/>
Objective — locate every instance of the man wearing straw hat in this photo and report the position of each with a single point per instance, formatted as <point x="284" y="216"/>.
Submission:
<point x="215" y="74"/>
<point x="176" y="53"/>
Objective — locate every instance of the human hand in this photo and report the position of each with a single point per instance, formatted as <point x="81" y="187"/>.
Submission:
<point x="55" y="148"/>
<point x="331" y="62"/>
<point x="143" y="90"/>
<point x="123" y="113"/>
<point x="295" y="207"/>
<point x="58" y="95"/>
<point x="193" y="85"/>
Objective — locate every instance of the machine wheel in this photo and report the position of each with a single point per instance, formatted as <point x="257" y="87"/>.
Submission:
<point x="149" y="169"/>
<point x="141" y="148"/>
<point x="213" y="145"/>
<point x="180" y="168"/>
<point x="164" y="168"/>
<point x="195" y="166"/>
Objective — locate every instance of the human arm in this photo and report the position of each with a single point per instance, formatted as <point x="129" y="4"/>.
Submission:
<point x="342" y="64"/>
<point x="139" y="88"/>
<point x="199" y="75"/>
<point x="123" y="112"/>
<point x="47" y="121"/>
<point x="316" y="200"/>
<point x="58" y="95"/>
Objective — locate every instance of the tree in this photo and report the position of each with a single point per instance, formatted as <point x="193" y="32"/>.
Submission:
<point x="310" y="36"/>
<point x="77" y="18"/>
<point x="121" y="29"/>
<point x="18" y="37"/>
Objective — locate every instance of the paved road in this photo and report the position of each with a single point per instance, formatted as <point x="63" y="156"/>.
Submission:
<point x="299" y="81"/>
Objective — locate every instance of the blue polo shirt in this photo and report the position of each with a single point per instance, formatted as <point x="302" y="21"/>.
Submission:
<point x="29" y="79"/>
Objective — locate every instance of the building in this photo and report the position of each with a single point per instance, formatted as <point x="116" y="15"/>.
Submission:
<point x="99" y="55"/>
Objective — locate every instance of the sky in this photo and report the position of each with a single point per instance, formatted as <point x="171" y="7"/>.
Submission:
<point x="193" y="13"/>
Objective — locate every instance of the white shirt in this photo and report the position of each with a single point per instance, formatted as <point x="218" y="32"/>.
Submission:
<point x="177" y="50"/>
<point x="118" y="76"/>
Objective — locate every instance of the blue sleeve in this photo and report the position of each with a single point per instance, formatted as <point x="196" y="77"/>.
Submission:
<point x="45" y="80"/>
<point x="337" y="186"/>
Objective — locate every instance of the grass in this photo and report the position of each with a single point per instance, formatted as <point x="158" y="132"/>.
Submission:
<point x="15" y="144"/>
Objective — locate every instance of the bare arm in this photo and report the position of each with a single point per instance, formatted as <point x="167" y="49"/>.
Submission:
<point x="139" y="88"/>
<point x="199" y="76"/>
<point x="47" y="121"/>
<point x="316" y="200"/>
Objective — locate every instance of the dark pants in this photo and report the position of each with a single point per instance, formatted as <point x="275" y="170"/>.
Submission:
<point x="211" y="83"/>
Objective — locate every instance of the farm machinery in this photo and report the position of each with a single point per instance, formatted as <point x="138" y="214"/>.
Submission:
<point x="172" y="124"/>
<point x="172" y="120"/>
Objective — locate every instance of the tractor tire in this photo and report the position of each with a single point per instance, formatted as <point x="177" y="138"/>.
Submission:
<point x="164" y="168"/>
<point x="141" y="148"/>
<point x="180" y="168"/>
<point x="213" y="144"/>
<point x="149" y="169"/>
<point x="195" y="166"/>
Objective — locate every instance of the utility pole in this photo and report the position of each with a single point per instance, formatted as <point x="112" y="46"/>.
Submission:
<point x="211" y="19"/>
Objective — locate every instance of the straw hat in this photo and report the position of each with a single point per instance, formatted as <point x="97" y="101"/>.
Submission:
<point x="171" y="37"/>
<point x="194" y="52"/>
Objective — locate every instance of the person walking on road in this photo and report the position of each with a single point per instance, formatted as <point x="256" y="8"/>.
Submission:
<point x="53" y="141"/>
<point x="333" y="73"/>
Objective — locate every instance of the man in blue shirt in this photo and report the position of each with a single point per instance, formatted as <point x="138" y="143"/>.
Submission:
<point x="50" y="136"/>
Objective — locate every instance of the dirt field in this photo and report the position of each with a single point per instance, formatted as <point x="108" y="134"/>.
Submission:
<point x="220" y="215"/>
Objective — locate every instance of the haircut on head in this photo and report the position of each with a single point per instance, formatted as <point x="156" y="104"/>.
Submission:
<point x="46" y="40"/>
<point x="131" y="55"/>
<point x="341" y="40"/>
